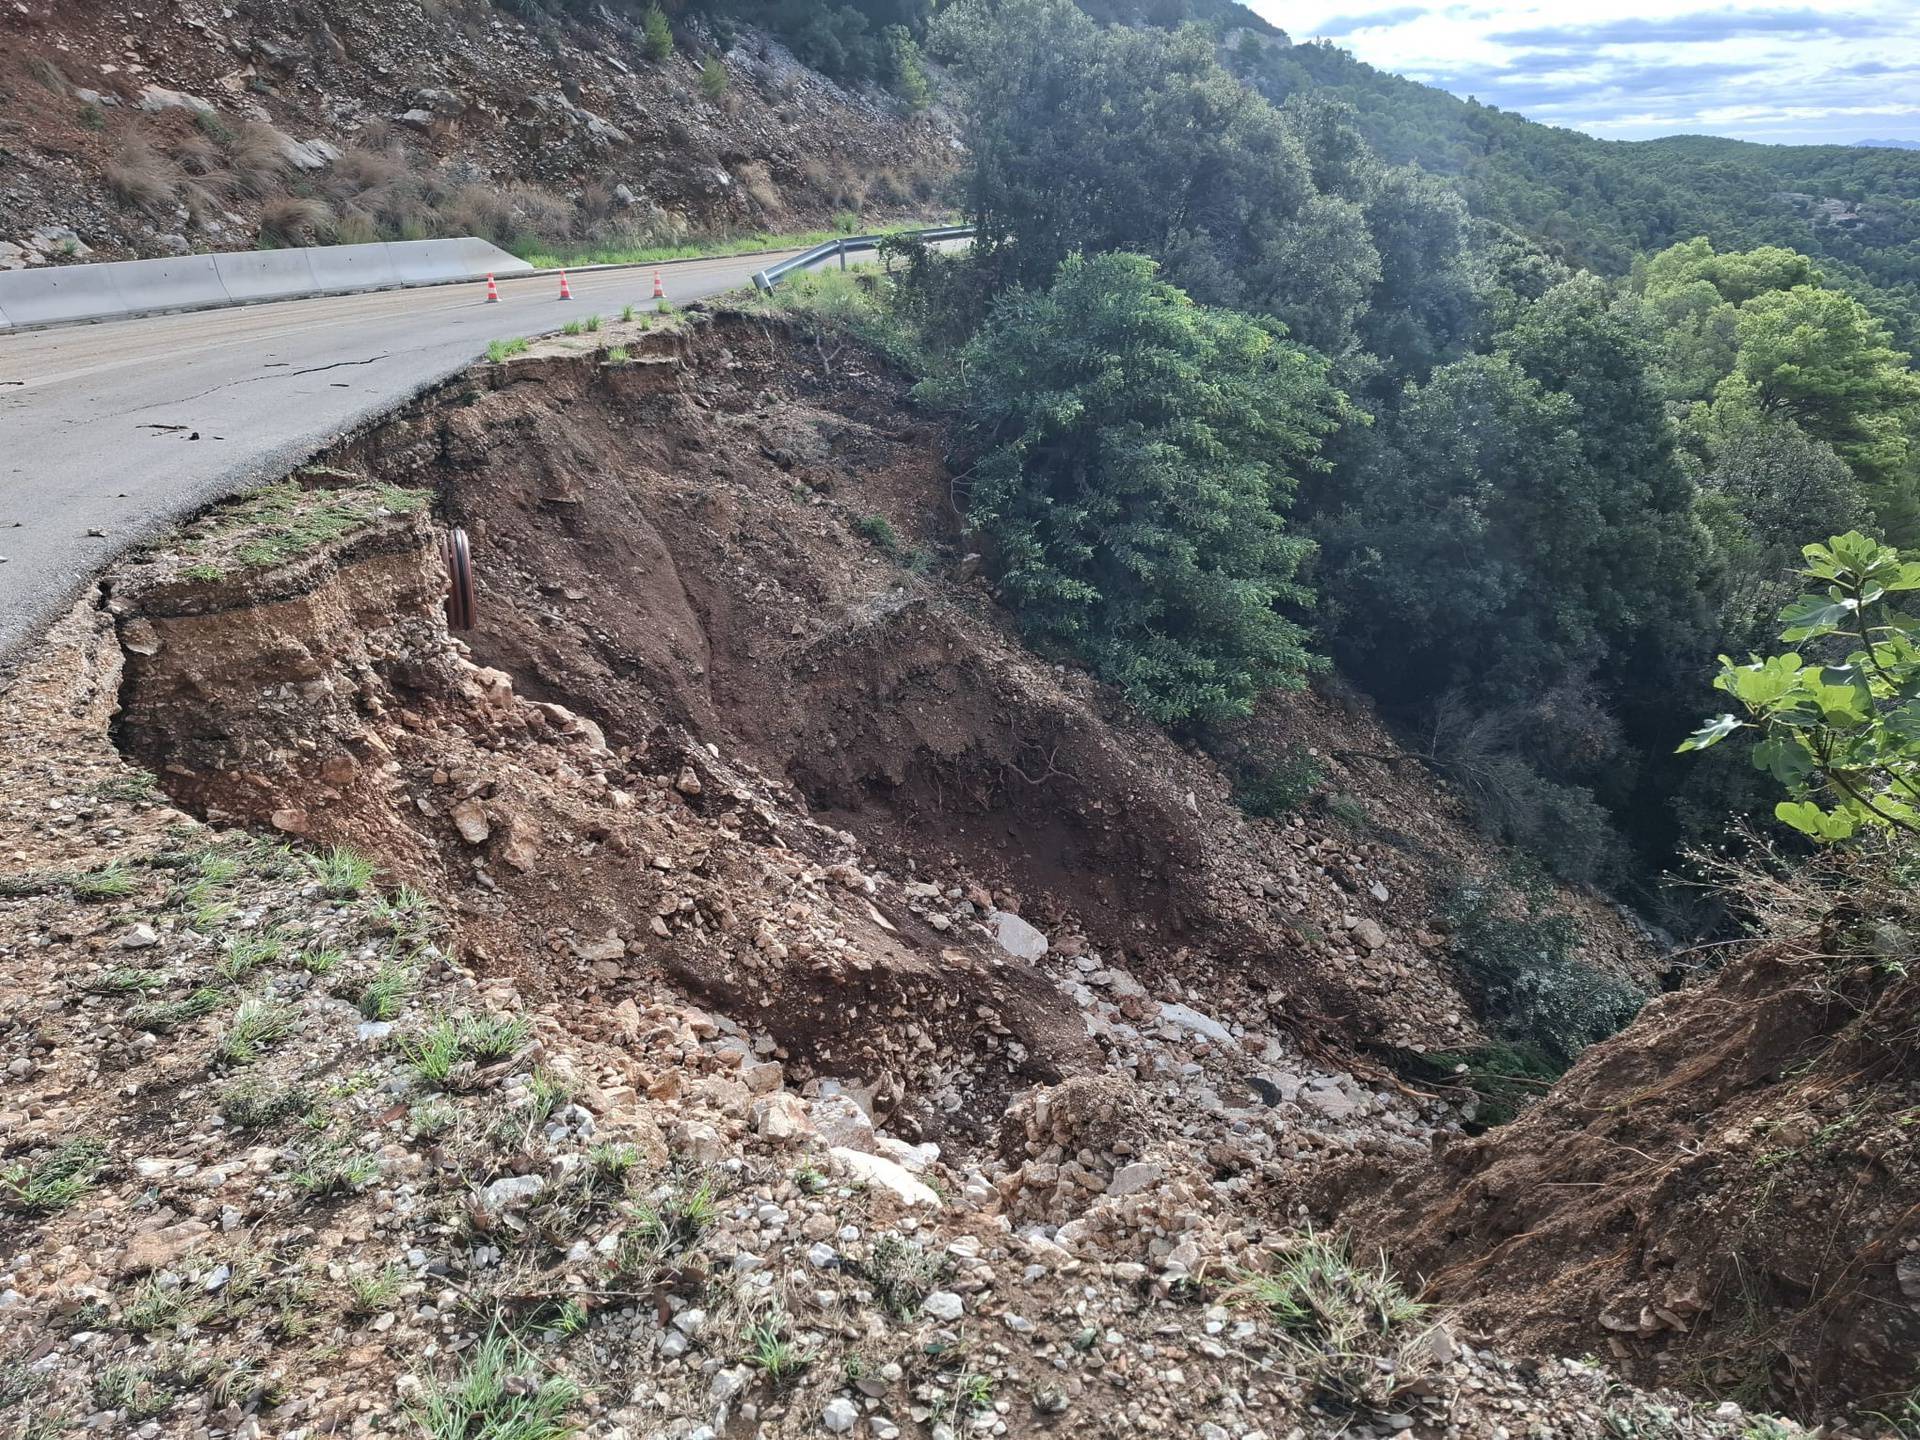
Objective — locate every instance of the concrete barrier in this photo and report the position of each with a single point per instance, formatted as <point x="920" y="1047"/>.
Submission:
<point x="265" y="274"/>
<point x="185" y="282"/>
<point x="428" y="262"/>
<point x="59" y="294"/>
<point x="49" y="295"/>
<point x="352" y="267"/>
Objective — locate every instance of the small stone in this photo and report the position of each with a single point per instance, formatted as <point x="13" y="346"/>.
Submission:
<point x="840" y="1415"/>
<point x="943" y="1305"/>
<point x="140" y="937"/>
<point x="470" y="819"/>
<point x="1132" y="1179"/>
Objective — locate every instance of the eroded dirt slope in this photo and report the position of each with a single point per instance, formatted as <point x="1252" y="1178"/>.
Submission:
<point x="729" y="1033"/>
<point x="1722" y="1196"/>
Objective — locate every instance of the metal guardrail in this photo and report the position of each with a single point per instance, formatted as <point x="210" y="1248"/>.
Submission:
<point x="853" y="245"/>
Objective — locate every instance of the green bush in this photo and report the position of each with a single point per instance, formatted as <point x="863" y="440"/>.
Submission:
<point x="713" y="78"/>
<point x="1136" y="455"/>
<point x="657" y="36"/>
<point x="1842" y="738"/>
<point x="1518" y="953"/>
<point x="1280" y="784"/>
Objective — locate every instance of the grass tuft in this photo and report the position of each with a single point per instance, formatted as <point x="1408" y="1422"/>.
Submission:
<point x="257" y="1026"/>
<point x="49" y="1185"/>
<point x="496" y="1396"/>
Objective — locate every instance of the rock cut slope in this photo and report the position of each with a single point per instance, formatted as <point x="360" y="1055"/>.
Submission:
<point x="188" y="125"/>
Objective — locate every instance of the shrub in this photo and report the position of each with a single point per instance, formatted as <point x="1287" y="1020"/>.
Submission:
<point x="141" y="178"/>
<point x="1519" y="954"/>
<point x="1137" y="452"/>
<point x="908" y="74"/>
<point x="657" y="36"/>
<point x="1279" y="785"/>
<point x="1844" y="739"/>
<point x="713" y="78"/>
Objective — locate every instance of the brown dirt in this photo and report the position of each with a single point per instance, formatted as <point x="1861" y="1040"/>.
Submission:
<point x="1723" y="1197"/>
<point x="745" y="758"/>
<point x="667" y="548"/>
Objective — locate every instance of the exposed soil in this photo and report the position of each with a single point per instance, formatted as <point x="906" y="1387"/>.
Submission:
<point x="124" y="131"/>
<point x="753" y="824"/>
<point x="1723" y="1197"/>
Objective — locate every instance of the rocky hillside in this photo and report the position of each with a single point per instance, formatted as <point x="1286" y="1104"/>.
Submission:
<point x="733" y="988"/>
<point x="189" y="125"/>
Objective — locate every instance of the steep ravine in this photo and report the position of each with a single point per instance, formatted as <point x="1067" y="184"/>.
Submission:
<point x="768" y="828"/>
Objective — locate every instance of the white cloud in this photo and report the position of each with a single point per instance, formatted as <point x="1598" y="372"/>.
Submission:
<point x="1811" y="70"/>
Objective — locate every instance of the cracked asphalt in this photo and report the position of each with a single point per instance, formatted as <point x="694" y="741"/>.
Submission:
<point x="110" y="433"/>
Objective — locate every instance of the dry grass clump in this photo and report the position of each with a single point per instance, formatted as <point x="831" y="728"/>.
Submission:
<point x="295" y="219"/>
<point x="142" y="178"/>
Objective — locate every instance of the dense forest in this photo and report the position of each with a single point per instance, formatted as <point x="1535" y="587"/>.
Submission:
<point x="1242" y="397"/>
<point x="1592" y="204"/>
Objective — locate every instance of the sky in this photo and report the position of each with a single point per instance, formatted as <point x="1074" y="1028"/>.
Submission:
<point x="1811" y="71"/>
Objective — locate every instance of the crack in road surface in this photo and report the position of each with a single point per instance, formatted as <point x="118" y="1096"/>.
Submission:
<point x="256" y="379"/>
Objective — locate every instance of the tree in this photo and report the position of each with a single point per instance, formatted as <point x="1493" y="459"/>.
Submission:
<point x="1091" y="139"/>
<point x="1137" y="456"/>
<point x="1819" y="358"/>
<point x="713" y="78"/>
<point x="657" y="36"/>
<point x="1842" y="736"/>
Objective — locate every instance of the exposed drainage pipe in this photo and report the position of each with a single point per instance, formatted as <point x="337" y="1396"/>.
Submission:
<point x="459" y="557"/>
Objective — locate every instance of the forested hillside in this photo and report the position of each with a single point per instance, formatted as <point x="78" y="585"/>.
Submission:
<point x="1599" y="204"/>
<point x="1591" y="203"/>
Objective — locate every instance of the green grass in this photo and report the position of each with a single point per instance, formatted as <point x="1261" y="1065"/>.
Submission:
<point x="128" y="980"/>
<point x="253" y="1103"/>
<point x="770" y="1352"/>
<point x="618" y="355"/>
<point x="498" y="1395"/>
<point x="343" y="873"/>
<point x="627" y="313"/>
<point x="1348" y="1328"/>
<point x="501" y="351"/>
<point x="387" y="993"/>
<point x="161" y="1016"/>
<point x="448" y="1041"/>
<point x="245" y="954"/>
<point x="109" y="882"/>
<point x="371" y="1293"/>
<point x="49" y="1185"/>
<point x="257" y="1026"/>
<point x="321" y="960"/>
<point x="329" y="1168"/>
<point x="592" y="324"/>
<point x="879" y="531"/>
<point x="139" y="1390"/>
<point x="573" y="327"/>
<point x="286" y="522"/>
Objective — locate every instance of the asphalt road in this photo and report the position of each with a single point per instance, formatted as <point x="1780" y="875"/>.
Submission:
<point x="110" y="433"/>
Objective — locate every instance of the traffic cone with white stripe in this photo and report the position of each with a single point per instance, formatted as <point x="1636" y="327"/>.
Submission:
<point x="566" y="291"/>
<point x="493" y="292"/>
<point x="659" y="290"/>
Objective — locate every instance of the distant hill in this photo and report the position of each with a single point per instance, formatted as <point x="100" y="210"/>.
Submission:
<point x="1600" y="203"/>
<point x="1888" y="144"/>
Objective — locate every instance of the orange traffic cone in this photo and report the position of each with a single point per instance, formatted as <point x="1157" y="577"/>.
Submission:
<point x="566" y="291"/>
<point x="659" y="290"/>
<point x="493" y="292"/>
